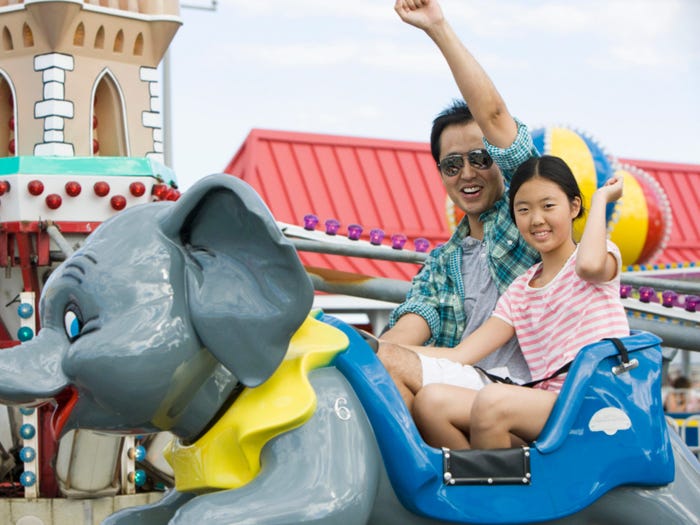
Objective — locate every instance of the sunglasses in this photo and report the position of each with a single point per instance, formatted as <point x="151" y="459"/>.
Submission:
<point x="453" y="164"/>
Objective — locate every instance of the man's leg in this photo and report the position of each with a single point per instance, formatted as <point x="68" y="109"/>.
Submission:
<point x="404" y="367"/>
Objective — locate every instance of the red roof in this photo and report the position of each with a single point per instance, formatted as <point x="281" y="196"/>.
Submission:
<point x="681" y="183"/>
<point x="394" y="185"/>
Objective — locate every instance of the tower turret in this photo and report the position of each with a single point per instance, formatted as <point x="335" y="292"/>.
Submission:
<point x="82" y="77"/>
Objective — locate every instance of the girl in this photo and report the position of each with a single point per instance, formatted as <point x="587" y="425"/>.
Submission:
<point x="568" y="300"/>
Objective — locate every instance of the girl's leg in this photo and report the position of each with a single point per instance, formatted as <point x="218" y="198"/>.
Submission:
<point x="441" y="413"/>
<point x="500" y="410"/>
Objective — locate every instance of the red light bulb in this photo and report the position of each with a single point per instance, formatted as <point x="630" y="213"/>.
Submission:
<point x="35" y="187"/>
<point x="137" y="189"/>
<point x="11" y="147"/>
<point x="118" y="202"/>
<point x="172" y="195"/>
<point x="159" y="191"/>
<point x="53" y="201"/>
<point x="95" y="146"/>
<point x="73" y="188"/>
<point x="101" y="188"/>
<point x="4" y="187"/>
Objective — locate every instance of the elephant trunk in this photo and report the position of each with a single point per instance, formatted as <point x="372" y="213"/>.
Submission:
<point x="31" y="372"/>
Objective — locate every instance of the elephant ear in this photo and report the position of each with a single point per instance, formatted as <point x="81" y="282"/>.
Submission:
<point x="247" y="289"/>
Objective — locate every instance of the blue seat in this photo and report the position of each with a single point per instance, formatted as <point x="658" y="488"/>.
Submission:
<point x="605" y="430"/>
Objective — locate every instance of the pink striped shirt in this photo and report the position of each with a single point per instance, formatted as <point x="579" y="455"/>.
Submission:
<point x="552" y="323"/>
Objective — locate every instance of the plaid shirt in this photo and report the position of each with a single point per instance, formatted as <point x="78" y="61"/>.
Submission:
<point x="437" y="291"/>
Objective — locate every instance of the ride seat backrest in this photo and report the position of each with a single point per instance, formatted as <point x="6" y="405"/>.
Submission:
<point x="620" y="413"/>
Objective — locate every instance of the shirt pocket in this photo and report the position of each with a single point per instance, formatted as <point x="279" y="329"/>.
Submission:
<point x="504" y="241"/>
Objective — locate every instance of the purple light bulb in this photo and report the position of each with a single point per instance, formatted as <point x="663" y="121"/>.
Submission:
<point x="625" y="291"/>
<point x="310" y="221"/>
<point x="332" y="226"/>
<point x="397" y="241"/>
<point x="354" y="232"/>
<point x="692" y="302"/>
<point x="421" y="244"/>
<point x="376" y="236"/>
<point x="646" y="294"/>
<point x="669" y="298"/>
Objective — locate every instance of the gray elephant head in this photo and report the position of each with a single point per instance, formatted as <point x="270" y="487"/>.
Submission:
<point x="167" y="308"/>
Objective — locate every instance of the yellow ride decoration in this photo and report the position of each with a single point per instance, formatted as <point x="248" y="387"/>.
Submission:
<point x="228" y="455"/>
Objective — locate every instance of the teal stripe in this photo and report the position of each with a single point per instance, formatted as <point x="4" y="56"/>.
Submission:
<point x="104" y="166"/>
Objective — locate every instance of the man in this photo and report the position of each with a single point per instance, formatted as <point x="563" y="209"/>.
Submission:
<point x="476" y="146"/>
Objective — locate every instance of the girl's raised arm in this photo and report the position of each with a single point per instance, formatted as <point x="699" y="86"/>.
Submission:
<point x="594" y="263"/>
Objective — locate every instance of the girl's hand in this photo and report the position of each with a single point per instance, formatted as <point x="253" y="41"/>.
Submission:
<point x="611" y="190"/>
<point x="419" y="13"/>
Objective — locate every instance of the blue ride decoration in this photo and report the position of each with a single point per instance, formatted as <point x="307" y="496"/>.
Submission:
<point x="24" y="333"/>
<point x="27" y="431"/>
<point x="25" y="310"/>
<point x="27" y="478"/>
<point x="27" y="454"/>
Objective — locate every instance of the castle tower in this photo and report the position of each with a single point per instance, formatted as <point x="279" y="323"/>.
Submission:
<point x="81" y="139"/>
<point x="83" y="76"/>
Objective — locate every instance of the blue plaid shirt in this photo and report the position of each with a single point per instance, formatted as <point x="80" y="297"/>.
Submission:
<point x="437" y="291"/>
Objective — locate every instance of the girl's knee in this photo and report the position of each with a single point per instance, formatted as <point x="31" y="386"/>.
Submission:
<point x="491" y="397"/>
<point x="428" y="403"/>
<point x="428" y="399"/>
<point x="490" y="406"/>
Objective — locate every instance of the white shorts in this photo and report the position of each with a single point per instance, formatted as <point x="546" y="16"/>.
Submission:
<point x="444" y="371"/>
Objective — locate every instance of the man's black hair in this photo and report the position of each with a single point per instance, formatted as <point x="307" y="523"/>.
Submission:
<point x="456" y="113"/>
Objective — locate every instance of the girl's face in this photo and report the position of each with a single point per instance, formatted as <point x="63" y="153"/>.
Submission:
<point x="544" y="214"/>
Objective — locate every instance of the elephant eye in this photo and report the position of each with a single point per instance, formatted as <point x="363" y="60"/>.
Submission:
<point x="72" y="322"/>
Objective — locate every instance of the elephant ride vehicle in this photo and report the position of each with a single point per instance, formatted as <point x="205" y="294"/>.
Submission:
<point x="284" y="415"/>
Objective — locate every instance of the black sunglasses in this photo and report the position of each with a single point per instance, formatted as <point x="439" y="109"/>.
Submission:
<point x="453" y="164"/>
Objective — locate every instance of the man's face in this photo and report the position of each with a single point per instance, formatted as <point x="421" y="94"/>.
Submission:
<point x="472" y="190"/>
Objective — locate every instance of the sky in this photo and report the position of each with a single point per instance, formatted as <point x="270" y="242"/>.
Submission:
<point x="626" y="72"/>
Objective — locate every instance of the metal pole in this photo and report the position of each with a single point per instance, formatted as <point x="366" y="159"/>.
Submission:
<point x="60" y="240"/>
<point x="673" y="335"/>
<point x="379" y="288"/>
<point x="678" y="286"/>
<point x="359" y="250"/>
